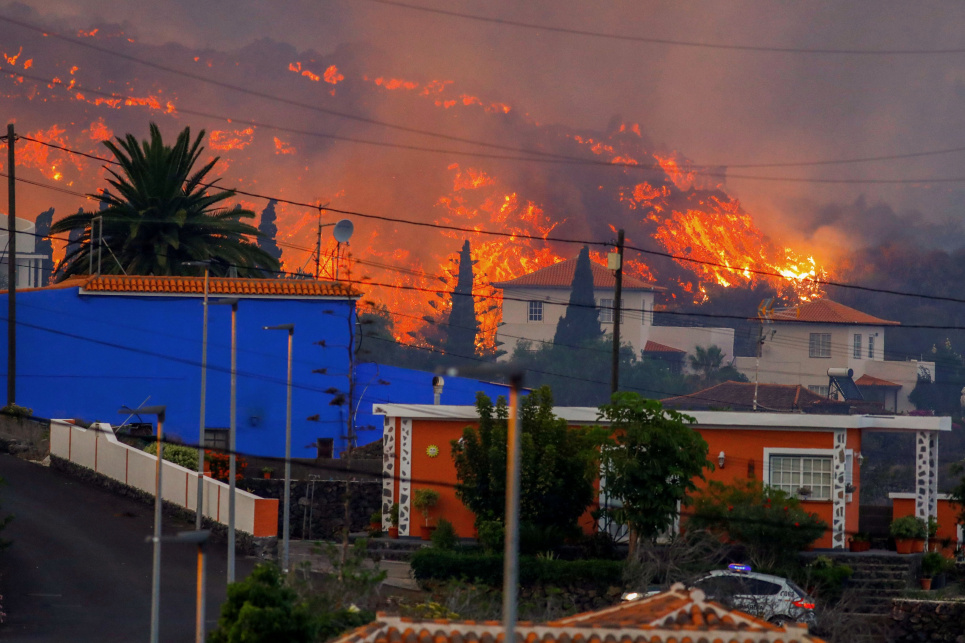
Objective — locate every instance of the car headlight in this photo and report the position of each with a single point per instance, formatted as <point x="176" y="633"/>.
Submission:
<point x="631" y="596"/>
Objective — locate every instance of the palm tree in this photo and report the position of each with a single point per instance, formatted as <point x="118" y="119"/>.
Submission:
<point x="159" y="215"/>
<point x="706" y="362"/>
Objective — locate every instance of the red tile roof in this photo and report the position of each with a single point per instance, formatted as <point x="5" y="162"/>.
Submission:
<point x="868" y="380"/>
<point x="654" y="347"/>
<point x="560" y="275"/>
<point x="676" y="615"/>
<point x="826" y="311"/>
<point x="739" y="396"/>
<point x="217" y="286"/>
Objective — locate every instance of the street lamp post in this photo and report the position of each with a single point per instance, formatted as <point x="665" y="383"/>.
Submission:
<point x="286" y="529"/>
<point x="198" y="537"/>
<point x="204" y="379"/>
<point x="159" y="411"/>
<point x="232" y="433"/>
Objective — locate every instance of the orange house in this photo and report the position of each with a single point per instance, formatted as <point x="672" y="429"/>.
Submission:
<point x="784" y="450"/>
<point x="947" y="512"/>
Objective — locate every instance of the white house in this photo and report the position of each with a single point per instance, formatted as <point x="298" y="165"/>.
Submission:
<point x="30" y="264"/>
<point x="804" y="341"/>
<point x="534" y="303"/>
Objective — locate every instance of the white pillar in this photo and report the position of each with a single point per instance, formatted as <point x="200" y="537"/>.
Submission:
<point x="388" y="469"/>
<point x="838" y="494"/>
<point x="405" y="476"/>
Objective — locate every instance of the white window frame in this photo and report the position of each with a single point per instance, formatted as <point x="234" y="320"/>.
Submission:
<point x="819" y="389"/>
<point x="817" y="347"/>
<point x="800" y="453"/>
<point x="871" y="346"/>
<point x="606" y="310"/>
<point x="857" y="345"/>
<point x="534" y="311"/>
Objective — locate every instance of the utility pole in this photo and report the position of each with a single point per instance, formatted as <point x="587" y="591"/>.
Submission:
<point x="617" y="258"/>
<point x="764" y="314"/>
<point x="11" y="268"/>
<point x="318" y="244"/>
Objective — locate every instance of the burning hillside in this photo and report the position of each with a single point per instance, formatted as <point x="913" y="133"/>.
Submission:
<point x="338" y="130"/>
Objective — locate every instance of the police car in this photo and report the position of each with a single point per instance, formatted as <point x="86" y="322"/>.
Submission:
<point x="773" y="598"/>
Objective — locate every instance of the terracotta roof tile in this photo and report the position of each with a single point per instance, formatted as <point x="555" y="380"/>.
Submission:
<point x="217" y="286"/>
<point x="869" y="380"/>
<point x="676" y="616"/>
<point x="655" y="347"/>
<point x="560" y="275"/>
<point x="740" y="396"/>
<point x="826" y="311"/>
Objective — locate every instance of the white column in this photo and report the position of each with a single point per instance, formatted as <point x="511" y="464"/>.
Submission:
<point x="388" y="469"/>
<point x="923" y="473"/>
<point x="405" y="476"/>
<point x="838" y="495"/>
<point x="933" y="473"/>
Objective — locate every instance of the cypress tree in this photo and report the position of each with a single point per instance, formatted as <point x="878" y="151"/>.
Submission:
<point x="581" y="322"/>
<point x="43" y="246"/>
<point x="269" y="230"/>
<point x="462" y="325"/>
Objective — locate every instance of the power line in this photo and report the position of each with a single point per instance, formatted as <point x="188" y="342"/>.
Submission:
<point x="667" y="41"/>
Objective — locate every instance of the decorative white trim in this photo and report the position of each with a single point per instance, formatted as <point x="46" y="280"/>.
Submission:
<point x="838" y="500"/>
<point x="405" y="476"/>
<point x="925" y="471"/>
<point x="388" y="469"/>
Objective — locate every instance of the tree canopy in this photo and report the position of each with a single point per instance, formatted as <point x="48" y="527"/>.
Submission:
<point x="158" y="214"/>
<point x="650" y="463"/>
<point x="581" y="321"/>
<point x="557" y="463"/>
<point x="461" y="329"/>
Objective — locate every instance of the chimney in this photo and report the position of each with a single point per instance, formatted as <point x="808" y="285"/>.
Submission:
<point x="437" y="384"/>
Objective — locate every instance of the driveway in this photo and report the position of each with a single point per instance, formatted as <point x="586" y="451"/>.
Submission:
<point x="78" y="568"/>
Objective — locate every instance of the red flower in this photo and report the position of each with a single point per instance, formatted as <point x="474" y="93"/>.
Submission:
<point x="797" y="524"/>
<point x="730" y="507"/>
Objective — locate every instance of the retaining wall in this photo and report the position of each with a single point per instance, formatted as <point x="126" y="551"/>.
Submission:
<point x="98" y="449"/>
<point x="919" y="621"/>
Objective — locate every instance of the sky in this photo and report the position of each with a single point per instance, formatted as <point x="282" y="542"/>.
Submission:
<point x="717" y="107"/>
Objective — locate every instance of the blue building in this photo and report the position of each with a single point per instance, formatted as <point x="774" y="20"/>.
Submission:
<point x="91" y="345"/>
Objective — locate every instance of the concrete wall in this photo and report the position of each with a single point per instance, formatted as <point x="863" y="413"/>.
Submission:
<point x="688" y="338"/>
<point x="97" y="449"/>
<point x="87" y="356"/>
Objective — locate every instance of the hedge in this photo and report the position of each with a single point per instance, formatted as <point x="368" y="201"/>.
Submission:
<point x="436" y="564"/>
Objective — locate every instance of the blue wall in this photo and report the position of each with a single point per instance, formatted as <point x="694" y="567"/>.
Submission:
<point x="377" y="383"/>
<point x="87" y="356"/>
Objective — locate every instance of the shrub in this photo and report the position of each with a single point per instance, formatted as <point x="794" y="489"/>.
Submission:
<point x="179" y="454"/>
<point x="492" y="536"/>
<point x="424" y="500"/>
<point x="826" y="577"/>
<point x="771" y="524"/>
<point x="438" y="564"/>
<point x="908" y="527"/>
<point x="933" y="564"/>
<point x="17" y="411"/>
<point x="444" y="537"/>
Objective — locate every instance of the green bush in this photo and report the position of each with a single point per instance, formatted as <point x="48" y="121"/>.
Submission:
<point x="908" y="527"/>
<point x="826" y="577"/>
<point x="444" y="537"/>
<point x="438" y="564"/>
<point x="492" y="536"/>
<point x="933" y="564"/>
<point x="179" y="454"/>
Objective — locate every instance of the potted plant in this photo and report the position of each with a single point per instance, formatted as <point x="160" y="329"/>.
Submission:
<point x="804" y="492"/>
<point x="424" y="500"/>
<point x="859" y="542"/>
<point x="906" y="531"/>
<point x="932" y="564"/>
<point x="267" y="471"/>
<point x="375" y="523"/>
<point x="394" y="517"/>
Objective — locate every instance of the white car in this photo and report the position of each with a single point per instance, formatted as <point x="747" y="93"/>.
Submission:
<point x="773" y="598"/>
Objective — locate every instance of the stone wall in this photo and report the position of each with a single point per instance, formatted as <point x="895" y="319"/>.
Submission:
<point x="318" y="506"/>
<point x="920" y="621"/>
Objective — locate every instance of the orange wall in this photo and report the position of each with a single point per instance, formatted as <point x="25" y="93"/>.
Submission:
<point x="741" y="447"/>
<point x="947" y="515"/>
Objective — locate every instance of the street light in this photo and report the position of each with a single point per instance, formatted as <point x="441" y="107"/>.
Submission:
<point x="198" y="537"/>
<point x="204" y="380"/>
<point x="233" y="302"/>
<point x="288" y="446"/>
<point x="159" y="411"/>
<point x="513" y="442"/>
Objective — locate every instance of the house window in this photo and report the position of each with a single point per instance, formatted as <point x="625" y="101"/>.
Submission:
<point x="535" y="311"/>
<point x="821" y="390"/>
<point x="820" y="345"/>
<point x="216" y="439"/>
<point x="871" y="346"/>
<point x="325" y="448"/>
<point x="789" y="473"/>
<point x="606" y="311"/>
<point x="857" y="346"/>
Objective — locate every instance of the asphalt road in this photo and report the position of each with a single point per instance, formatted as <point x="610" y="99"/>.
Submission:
<point x="78" y="568"/>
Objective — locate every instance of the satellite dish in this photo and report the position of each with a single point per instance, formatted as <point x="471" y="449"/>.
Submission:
<point x="343" y="231"/>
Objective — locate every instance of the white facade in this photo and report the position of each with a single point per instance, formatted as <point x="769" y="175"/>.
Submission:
<point x="802" y="353"/>
<point x="29" y="263"/>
